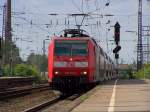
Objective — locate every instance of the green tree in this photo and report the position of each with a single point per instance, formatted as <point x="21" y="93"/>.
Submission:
<point x="39" y="60"/>
<point x="11" y="53"/>
<point x="130" y="72"/>
<point x="6" y="70"/>
<point x="26" y="70"/>
<point x="144" y="72"/>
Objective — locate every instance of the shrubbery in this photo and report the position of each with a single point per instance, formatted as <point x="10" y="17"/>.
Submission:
<point x="25" y="70"/>
<point x="6" y="70"/>
<point x="32" y="67"/>
<point x="127" y="73"/>
<point x="144" y="72"/>
<point x="22" y="70"/>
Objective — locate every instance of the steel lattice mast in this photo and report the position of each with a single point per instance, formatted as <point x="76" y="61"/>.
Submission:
<point x="139" y="45"/>
<point x="8" y="21"/>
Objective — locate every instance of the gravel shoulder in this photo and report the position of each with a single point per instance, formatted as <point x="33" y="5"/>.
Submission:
<point x="21" y="103"/>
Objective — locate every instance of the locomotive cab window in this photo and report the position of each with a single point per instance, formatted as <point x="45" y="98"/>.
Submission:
<point x="71" y="48"/>
<point x="79" y="49"/>
<point x="62" y="49"/>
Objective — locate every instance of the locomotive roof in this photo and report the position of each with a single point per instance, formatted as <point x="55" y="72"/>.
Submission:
<point x="74" y="33"/>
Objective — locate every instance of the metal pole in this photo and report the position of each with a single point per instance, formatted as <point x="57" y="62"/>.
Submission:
<point x="147" y="47"/>
<point x="11" y="59"/>
<point x="0" y="56"/>
<point x="3" y="34"/>
<point x="44" y="54"/>
<point x="117" y="63"/>
<point x="8" y="21"/>
<point x="107" y="40"/>
<point x="139" y="45"/>
<point x="148" y="44"/>
<point x="44" y="48"/>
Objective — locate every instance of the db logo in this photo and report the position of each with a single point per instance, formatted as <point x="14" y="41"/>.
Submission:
<point x="70" y="64"/>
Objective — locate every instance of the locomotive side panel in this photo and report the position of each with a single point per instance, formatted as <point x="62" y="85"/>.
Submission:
<point x="102" y="68"/>
<point x="91" y="61"/>
<point x="107" y="65"/>
<point x="97" y="74"/>
<point x="50" y="61"/>
<point x="105" y="69"/>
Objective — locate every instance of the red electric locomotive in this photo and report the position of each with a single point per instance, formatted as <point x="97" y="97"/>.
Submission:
<point x="75" y="60"/>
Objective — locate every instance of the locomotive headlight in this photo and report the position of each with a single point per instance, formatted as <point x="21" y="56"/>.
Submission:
<point x="70" y="59"/>
<point x="56" y="72"/>
<point x="84" y="73"/>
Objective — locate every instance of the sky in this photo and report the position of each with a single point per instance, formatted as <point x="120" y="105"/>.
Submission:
<point x="32" y="23"/>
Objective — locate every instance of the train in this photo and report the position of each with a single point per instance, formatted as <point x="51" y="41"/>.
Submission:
<point x="76" y="60"/>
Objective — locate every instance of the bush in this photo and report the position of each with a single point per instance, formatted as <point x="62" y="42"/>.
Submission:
<point x="6" y="70"/>
<point x="127" y="73"/>
<point x="26" y="70"/>
<point x="130" y="72"/>
<point x="124" y="75"/>
<point x="144" y="72"/>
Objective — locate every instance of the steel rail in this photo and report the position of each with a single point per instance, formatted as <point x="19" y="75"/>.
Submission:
<point x="19" y="92"/>
<point x="43" y="105"/>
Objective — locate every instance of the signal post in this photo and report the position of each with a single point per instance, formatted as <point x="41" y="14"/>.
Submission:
<point x="117" y="42"/>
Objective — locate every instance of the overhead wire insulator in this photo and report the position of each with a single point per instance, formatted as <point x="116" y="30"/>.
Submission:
<point x="65" y="21"/>
<point x="57" y="23"/>
<point x="68" y="22"/>
<point x="31" y="23"/>
<point x="51" y="23"/>
<point x="97" y="23"/>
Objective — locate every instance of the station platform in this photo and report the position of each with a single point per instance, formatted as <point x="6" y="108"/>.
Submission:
<point x="119" y="96"/>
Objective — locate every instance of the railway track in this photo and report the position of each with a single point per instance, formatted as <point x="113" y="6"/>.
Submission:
<point x="43" y="105"/>
<point x="11" y="82"/>
<point x="22" y="91"/>
<point x="55" y="103"/>
<point x="44" y="101"/>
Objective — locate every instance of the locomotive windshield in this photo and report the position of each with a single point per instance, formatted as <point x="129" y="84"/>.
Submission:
<point x="71" y="48"/>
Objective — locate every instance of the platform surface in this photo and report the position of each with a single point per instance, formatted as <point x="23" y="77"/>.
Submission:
<point x="119" y="96"/>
